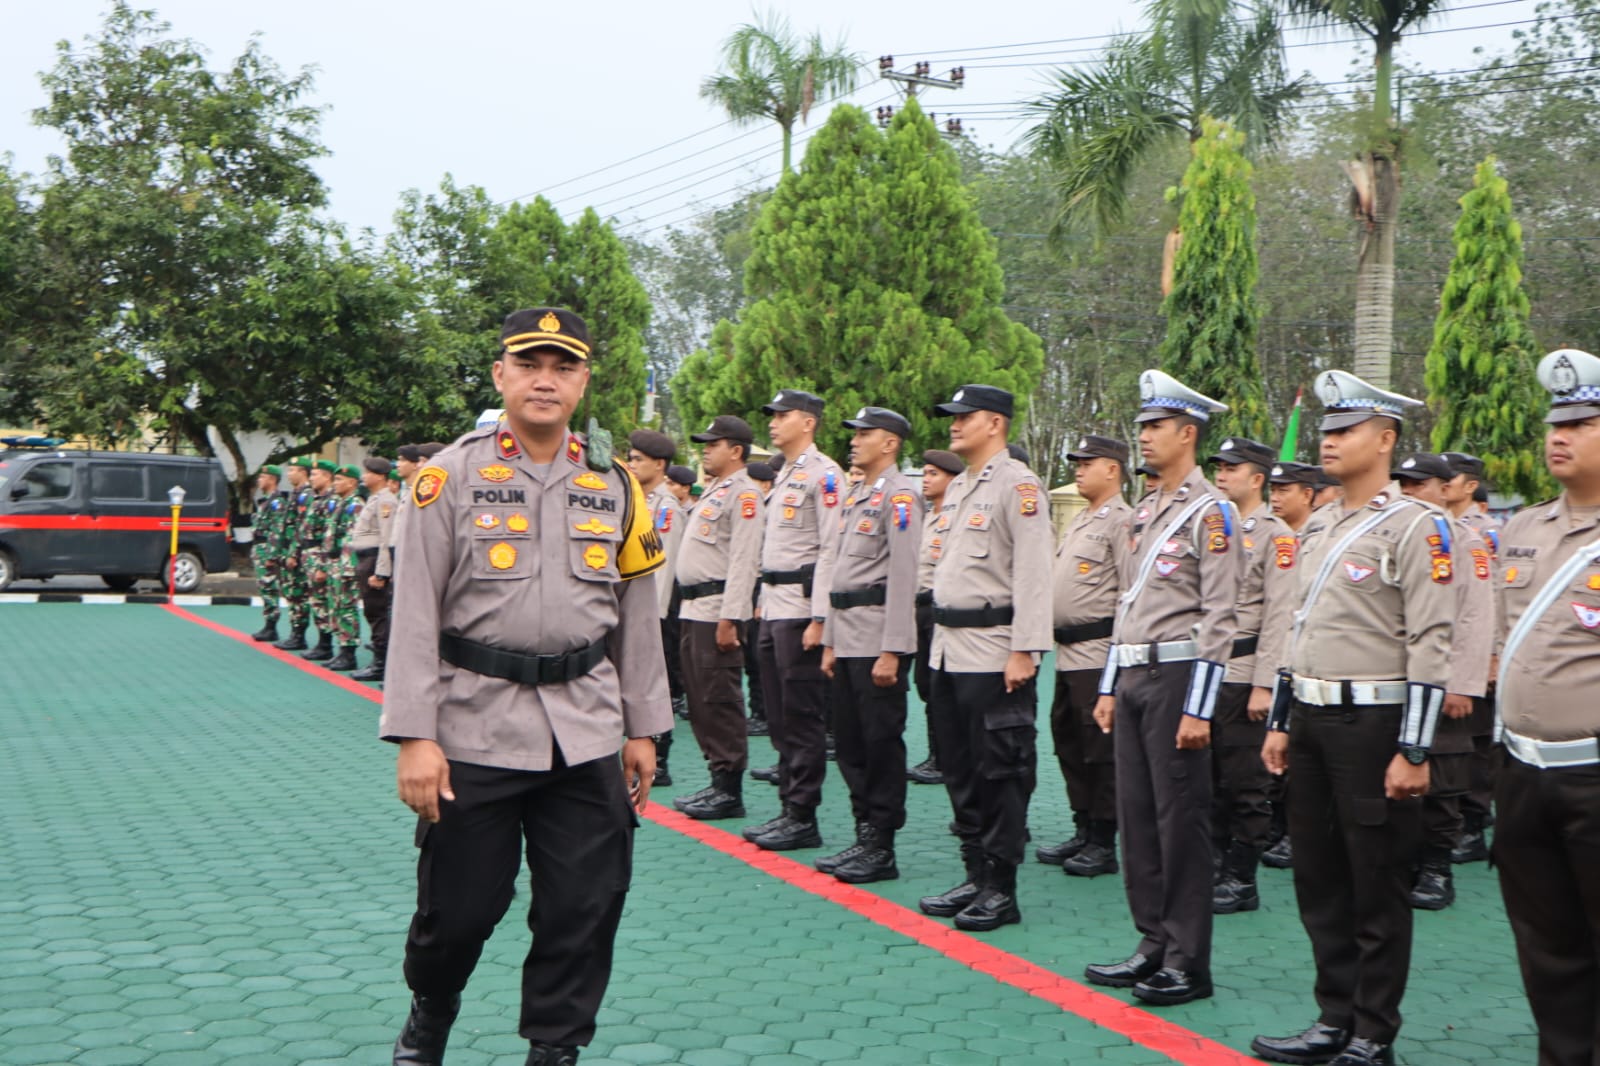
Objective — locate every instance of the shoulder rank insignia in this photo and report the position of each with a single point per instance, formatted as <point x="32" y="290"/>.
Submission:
<point x="574" y="451"/>
<point x="587" y="480"/>
<point x="595" y="527"/>
<point x="507" y="443"/>
<point x="430" y="483"/>
<point x="496" y="473"/>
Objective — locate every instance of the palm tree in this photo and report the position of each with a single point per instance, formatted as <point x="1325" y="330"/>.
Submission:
<point x="1151" y="91"/>
<point x="769" y="72"/>
<point x="1375" y="173"/>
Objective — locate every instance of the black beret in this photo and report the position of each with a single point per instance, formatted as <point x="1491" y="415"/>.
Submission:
<point x="377" y="465"/>
<point x="949" y="462"/>
<point x="1019" y="453"/>
<point x="411" y="453"/>
<point x="432" y="448"/>
<point x="680" y="474"/>
<point x="761" y="471"/>
<point x="655" y="444"/>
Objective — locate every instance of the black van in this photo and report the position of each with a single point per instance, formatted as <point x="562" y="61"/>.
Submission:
<point x="107" y="513"/>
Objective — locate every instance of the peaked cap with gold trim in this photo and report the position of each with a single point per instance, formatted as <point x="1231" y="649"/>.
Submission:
<point x="545" y="327"/>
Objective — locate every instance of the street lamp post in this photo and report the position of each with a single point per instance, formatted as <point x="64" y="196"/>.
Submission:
<point x="175" y="497"/>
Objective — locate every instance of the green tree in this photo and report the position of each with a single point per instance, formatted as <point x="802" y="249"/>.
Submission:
<point x="1480" y="368"/>
<point x="769" y="72"/>
<point x="1102" y="122"/>
<point x="872" y="281"/>
<point x="1212" y="311"/>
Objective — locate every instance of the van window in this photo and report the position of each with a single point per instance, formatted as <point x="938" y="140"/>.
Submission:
<point x="195" y="479"/>
<point x="117" y="481"/>
<point x="47" y="481"/>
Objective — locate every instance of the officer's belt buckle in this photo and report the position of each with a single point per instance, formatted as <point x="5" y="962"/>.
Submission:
<point x="1551" y="754"/>
<point x="1319" y="693"/>
<point x="1145" y="654"/>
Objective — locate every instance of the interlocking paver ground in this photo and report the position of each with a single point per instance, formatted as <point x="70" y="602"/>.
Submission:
<point x="205" y="863"/>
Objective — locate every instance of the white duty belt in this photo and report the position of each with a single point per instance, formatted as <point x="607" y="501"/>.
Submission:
<point x="1172" y="651"/>
<point x="1320" y="693"/>
<point x="1551" y="754"/>
<point x="1542" y="602"/>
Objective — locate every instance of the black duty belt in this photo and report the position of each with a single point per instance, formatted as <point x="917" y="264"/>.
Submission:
<point x="871" y="596"/>
<point x="519" y="666"/>
<point x="925" y="598"/>
<point x="1243" y="646"/>
<point x="1100" y="627"/>
<point x="704" y="588"/>
<point x="801" y="577"/>
<point x="366" y="553"/>
<point x="972" y="618"/>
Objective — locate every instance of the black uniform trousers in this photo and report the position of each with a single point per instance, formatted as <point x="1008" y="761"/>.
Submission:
<point x="576" y="826"/>
<point x="1240" y="809"/>
<point x="986" y="739"/>
<point x="1086" y="755"/>
<point x="795" y="692"/>
<point x="671" y="638"/>
<point x="1449" y="781"/>
<point x="375" y="605"/>
<point x="1353" y="850"/>
<point x="712" y="682"/>
<point x="1547" y="849"/>
<point x="1475" y="805"/>
<point x="1164" y="812"/>
<point x="869" y="725"/>
<point x="921" y="672"/>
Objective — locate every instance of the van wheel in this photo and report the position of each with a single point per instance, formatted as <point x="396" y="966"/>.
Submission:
<point x="119" y="582"/>
<point x="8" y="571"/>
<point x="187" y="571"/>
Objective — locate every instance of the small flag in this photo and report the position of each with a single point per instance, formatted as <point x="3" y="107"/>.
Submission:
<point x="1291" y="435"/>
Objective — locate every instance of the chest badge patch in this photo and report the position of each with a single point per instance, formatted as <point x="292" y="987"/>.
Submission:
<point x="589" y="480"/>
<point x="1357" y="572"/>
<point x="864" y="526"/>
<point x="595" y="557"/>
<point x="1167" y="567"/>
<point x="788" y="514"/>
<point x="487" y="521"/>
<point x="430" y="483"/>
<point x="1594" y="582"/>
<point x="496" y="473"/>
<point x="1588" y="617"/>
<point x="1084" y="568"/>
<point x="502" y="556"/>
<point x="517" y="523"/>
<point x="595" y="527"/>
<point x="1511" y="574"/>
<point x="1171" y="547"/>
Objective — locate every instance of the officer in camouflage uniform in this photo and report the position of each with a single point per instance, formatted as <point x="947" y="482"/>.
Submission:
<point x="341" y="596"/>
<point x="264" y="525"/>
<point x="293" y="581"/>
<point x="313" y="529"/>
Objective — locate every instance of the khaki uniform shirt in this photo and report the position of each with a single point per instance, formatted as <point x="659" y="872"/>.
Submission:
<point x="722" y="542"/>
<point x="669" y="527"/>
<point x="1086" y="583"/>
<point x="1266" y="598"/>
<point x="1472" y="642"/>
<point x="1385" y="613"/>
<point x="992" y="543"/>
<point x="1192" y="591"/>
<point x="539" y="560"/>
<point x="1548" y="686"/>
<point x="802" y="515"/>
<point x="926" y="555"/>
<point x="374" y="528"/>
<point x="879" y="528"/>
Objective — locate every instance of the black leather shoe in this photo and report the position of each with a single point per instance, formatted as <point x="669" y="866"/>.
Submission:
<point x="1124" y="974"/>
<point x="426" y="1031"/>
<point x="715" y="804"/>
<point x="750" y="832"/>
<point x="1363" y="1052"/>
<point x="1318" y="1044"/>
<point x="992" y="909"/>
<point x="1231" y="895"/>
<point x="789" y="834"/>
<point x="1168" y="988"/>
<point x="1092" y="861"/>
<point x="266" y="633"/>
<point x="872" y="864"/>
<point x="1472" y="847"/>
<point x="769" y="774"/>
<point x="926" y="772"/>
<point x="1056" y="854"/>
<point x="295" y="641"/>
<point x="1280" y="856"/>
<point x="949" y="903"/>
<point x="755" y="727"/>
<point x="345" y="660"/>
<point x="866" y="837"/>
<point x="663" y="775"/>
<point x="1434" y="889"/>
<point x="680" y="802"/>
<point x="551" y="1055"/>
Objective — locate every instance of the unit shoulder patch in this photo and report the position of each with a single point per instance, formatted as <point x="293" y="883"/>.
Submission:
<point x="429" y="486"/>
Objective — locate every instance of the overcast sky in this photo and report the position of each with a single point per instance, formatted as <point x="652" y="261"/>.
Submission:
<point x="526" y="97"/>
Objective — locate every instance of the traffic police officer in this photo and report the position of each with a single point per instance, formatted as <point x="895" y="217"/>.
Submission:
<point x="1085" y="604"/>
<point x="939" y="468"/>
<point x="1174" y="633"/>
<point x="1547" y="785"/>
<point x="797" y="559"/>
<point x="1241" y="813"/>
<point x="717" y="568"/>
<point x="526" y="654"/>
<point x="295" y="582"/>
<point x="869" y="640"/>
<point x="271" y="507"/>
<point x="370" y="542"/>
<point x="990" y="630"/>
<point x="1368" y="658"/>
<point x="650" y="452"/>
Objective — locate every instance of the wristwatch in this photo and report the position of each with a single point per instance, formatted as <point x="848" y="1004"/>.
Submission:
<point x="1414" y="754"/>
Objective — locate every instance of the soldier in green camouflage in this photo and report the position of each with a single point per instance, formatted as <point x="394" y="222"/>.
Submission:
<point x="319" y="515"/>
<point x="343" y="596"/>
<point x="293" y="581"/>
<point x="271" y="506"/>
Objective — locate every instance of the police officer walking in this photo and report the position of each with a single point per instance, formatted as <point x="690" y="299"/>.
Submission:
<point x="650" y="452"/>
<point x="370" y="542"/>
<point x="717" y="568"/>
<point x="265" y="523"/>
<point x="1353" y="721"/>
<point x="1085" y="605"/>
<point x="526" y="654"/>
<point x="1174" y="633"/>
<point x="939" y="468"/>
<point x="869" y="641"/>
<point x="1547" y="786"/>
<point x="991" y="627"/>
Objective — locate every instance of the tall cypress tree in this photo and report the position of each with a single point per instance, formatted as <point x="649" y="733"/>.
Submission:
<point x="1212" y="311"/>
<point x="1479" y="370"/>
<point x="872" y="281"/>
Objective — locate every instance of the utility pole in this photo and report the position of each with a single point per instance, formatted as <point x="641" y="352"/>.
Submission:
<point x="921" y="76"/>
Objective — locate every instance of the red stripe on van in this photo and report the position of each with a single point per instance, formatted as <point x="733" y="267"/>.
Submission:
<point x="114" y="523"/>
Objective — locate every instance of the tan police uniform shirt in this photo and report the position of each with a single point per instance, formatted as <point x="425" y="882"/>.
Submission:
<point x="1086" y="584"/>
<point x="1549" y="686"/>
<point x="1192" y="590"/>
<point x="1386" y="611"/>
<point x="1472" y="640"/>
<point x="927" y="548"/>
<point x="992" y="546"/>
<point x="668" y="525"/>
<point x="879" y="528"/>
<point x="722" y="542"/>
<point x="526" y="558"/>
<point x="802" y="515"/>
<point x="1266" y="598"/>
<point x="374" y="529"/>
